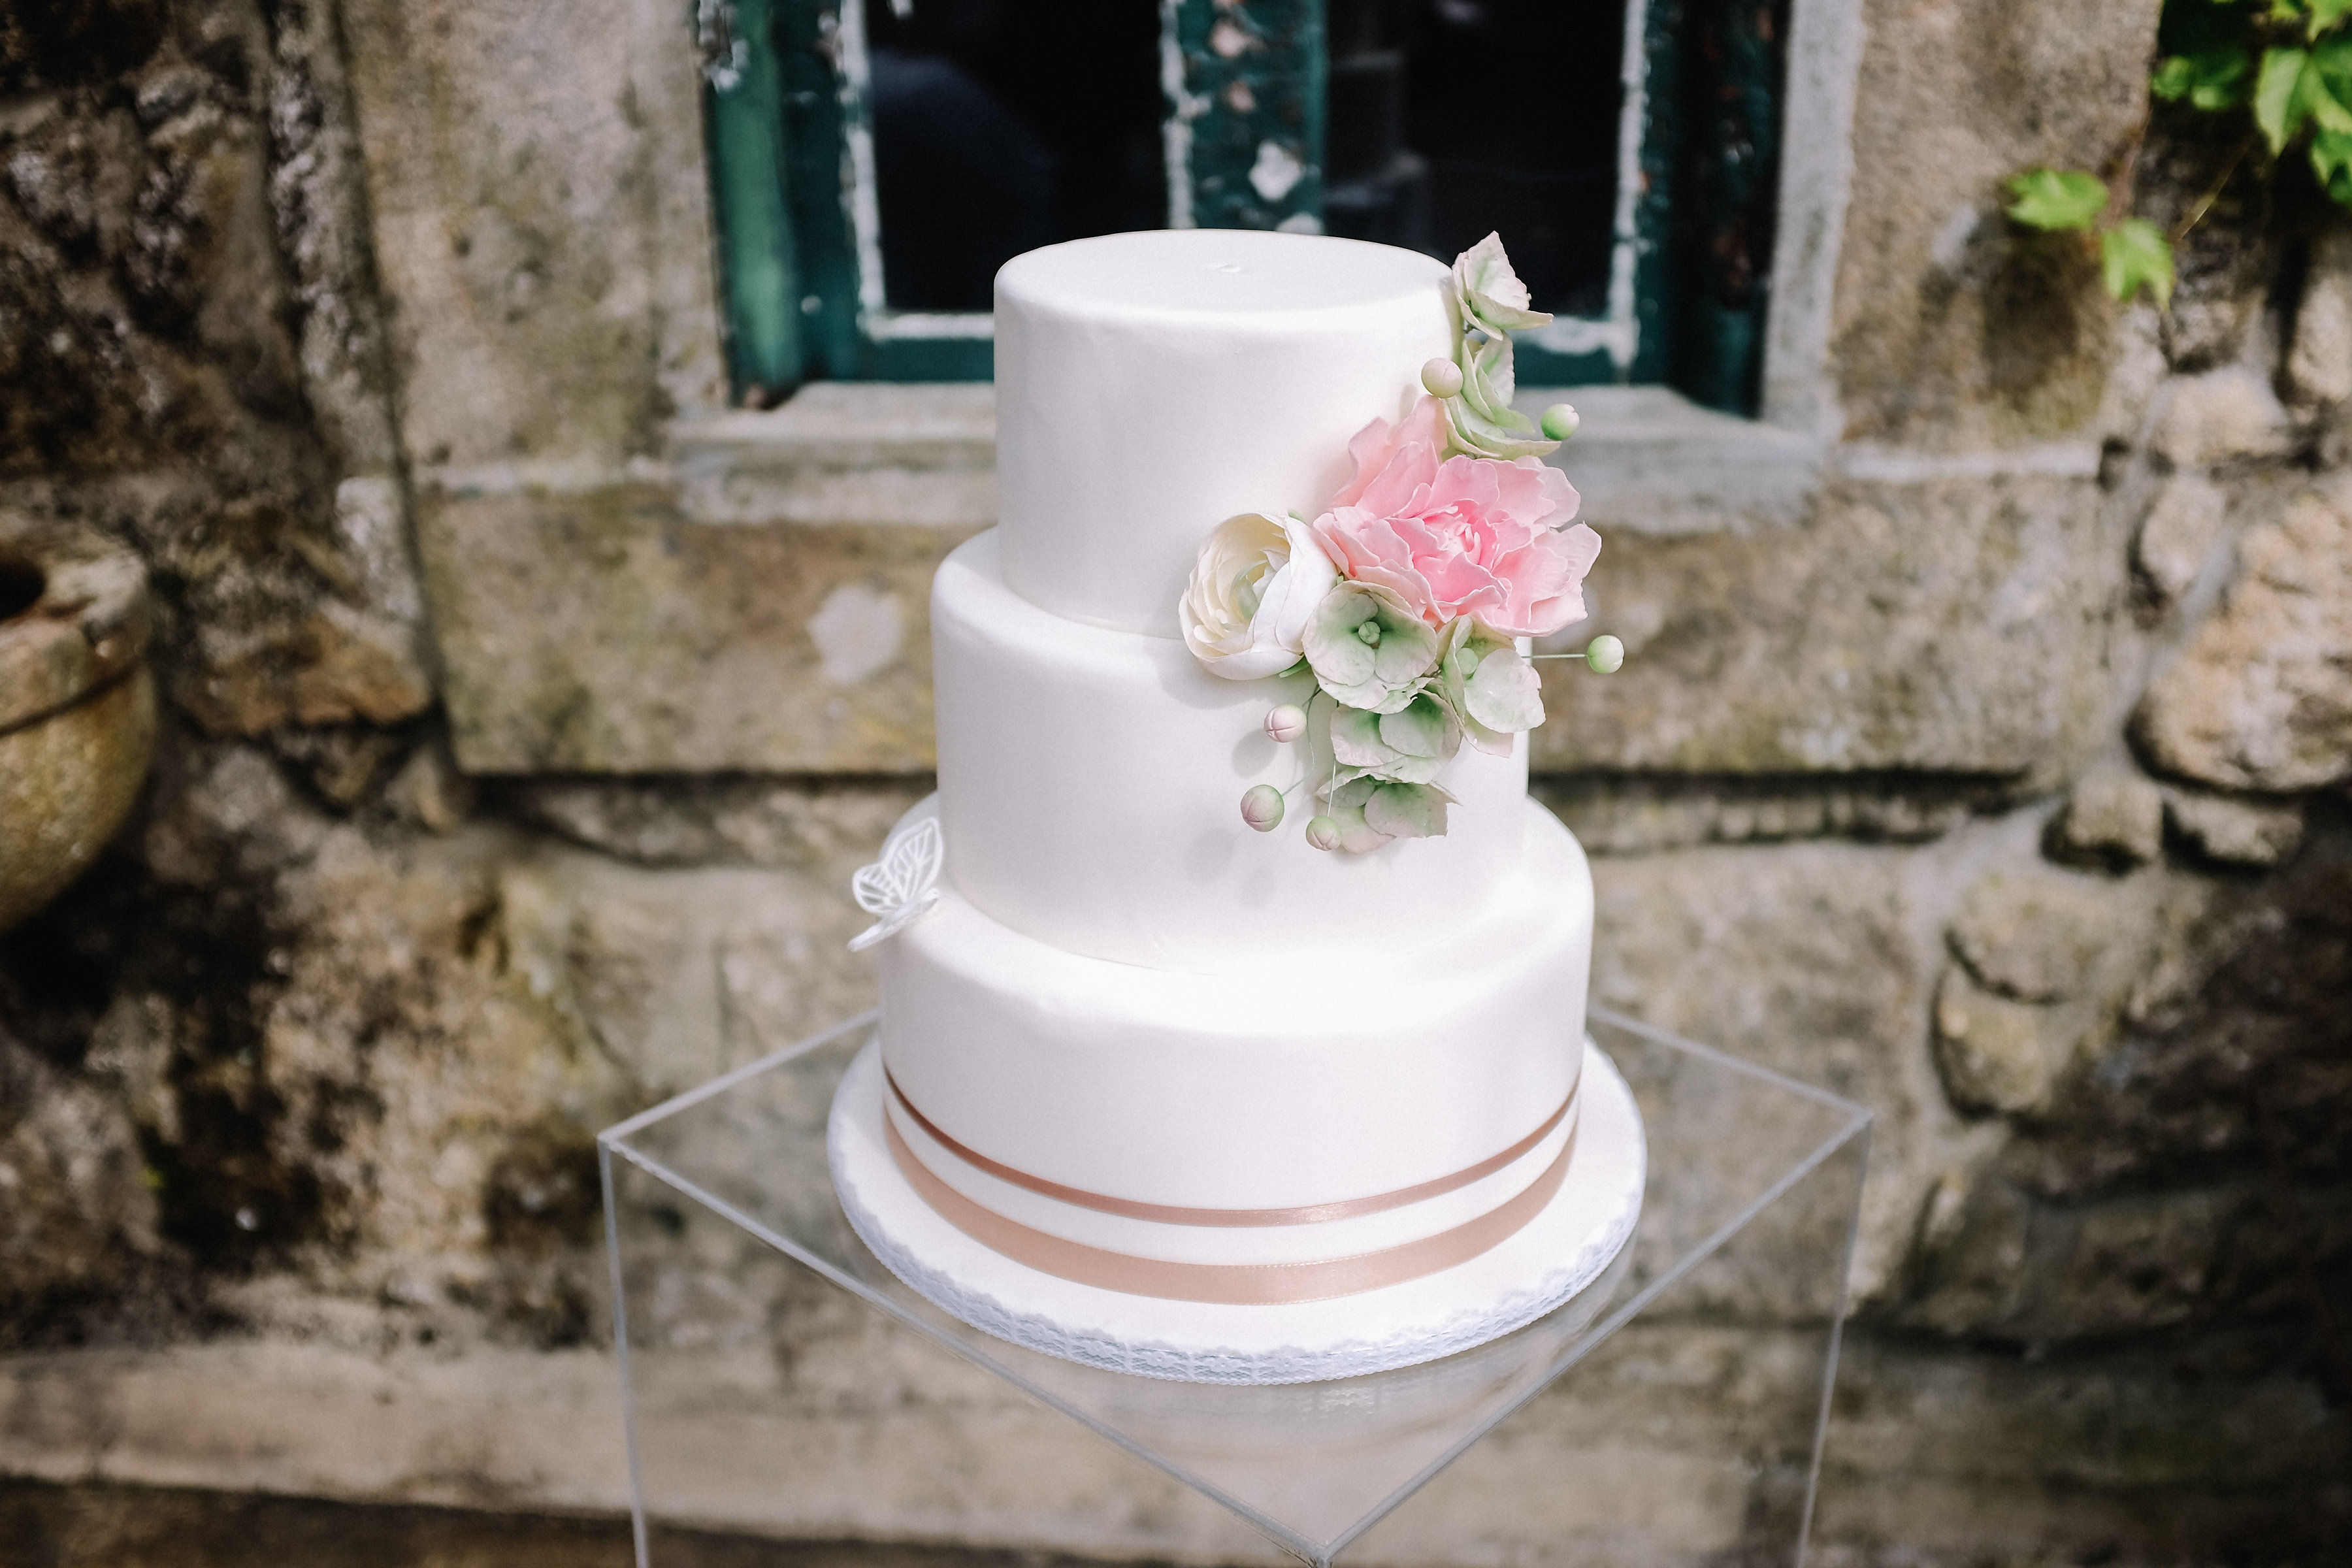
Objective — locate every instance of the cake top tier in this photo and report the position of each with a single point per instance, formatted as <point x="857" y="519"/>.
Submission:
<point x="1150" y="385"/>
<point x="1197" y="274"/>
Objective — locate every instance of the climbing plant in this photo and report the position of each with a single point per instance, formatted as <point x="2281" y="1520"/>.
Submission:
<point x="2284" y="66"/>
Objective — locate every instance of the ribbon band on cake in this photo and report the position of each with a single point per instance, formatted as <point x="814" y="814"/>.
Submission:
<point x="1230" y="1284"/>
<point x="1170" y="1214"/>
<point x="1233" y="1284"/>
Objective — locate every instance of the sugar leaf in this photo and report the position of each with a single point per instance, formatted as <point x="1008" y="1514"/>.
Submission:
<point x="1504" y="694"/>
<point x="1407" y="810"/>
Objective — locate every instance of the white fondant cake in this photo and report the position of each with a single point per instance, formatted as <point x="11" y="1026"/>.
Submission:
<point x="1133" y="1050"/>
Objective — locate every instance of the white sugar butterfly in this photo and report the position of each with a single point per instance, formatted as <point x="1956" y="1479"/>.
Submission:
<point x="901" y="887"/>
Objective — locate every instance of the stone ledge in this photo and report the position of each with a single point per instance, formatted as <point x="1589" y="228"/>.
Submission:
<point x="1957" y="1456"/>
<point x="1646" y="458"/>
<point x="846" y="452"/>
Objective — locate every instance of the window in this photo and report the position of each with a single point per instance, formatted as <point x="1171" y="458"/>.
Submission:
<point x="875" y="160"/>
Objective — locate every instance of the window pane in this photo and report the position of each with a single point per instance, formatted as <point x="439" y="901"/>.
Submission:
<point x="1001" y="125"/>
<point x="1452" y="118"/>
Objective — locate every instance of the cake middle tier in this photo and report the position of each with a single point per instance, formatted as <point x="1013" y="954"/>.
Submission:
<point x="1090" y="786"/>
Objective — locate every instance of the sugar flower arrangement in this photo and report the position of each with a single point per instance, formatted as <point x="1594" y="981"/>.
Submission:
<point x="1407" y="598"/>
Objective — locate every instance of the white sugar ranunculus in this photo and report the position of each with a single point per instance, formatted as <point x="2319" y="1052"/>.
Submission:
<point x="1256" y="582"/>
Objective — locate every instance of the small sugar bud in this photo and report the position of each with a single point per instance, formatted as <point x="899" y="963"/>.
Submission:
<point x="1560" y="422"/>
<point x="1443" y="377"/>
<point x="1323" y="832"/>
<point x="1368" y="634"/>
<point x="1465" y="659"/>
<point x="1604" y="654"/>
<point x="1286" y="723"/>
<point x="1262" y="807"/>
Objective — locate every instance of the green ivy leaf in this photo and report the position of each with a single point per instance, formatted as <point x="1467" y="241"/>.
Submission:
<point x="2134" y="255"/>
<point x="2326" y="13"/>
<point x="2214" y="79"/>
<point x="2331" y="64"/>
<point x="2331" y="161"/>
<point x="2221" y="80"/>
<point x="2279" y="103"/>
<point x="2047" y="199"/>
<point x="2325" y="111"/>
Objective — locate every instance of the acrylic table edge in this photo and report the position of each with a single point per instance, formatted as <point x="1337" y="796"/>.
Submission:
<point x="613" y="1140"/>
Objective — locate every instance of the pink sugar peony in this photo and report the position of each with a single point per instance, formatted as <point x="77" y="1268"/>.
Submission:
<point x="1461" y="536"/>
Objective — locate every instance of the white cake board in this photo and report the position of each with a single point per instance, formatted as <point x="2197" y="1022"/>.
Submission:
<point x="1564" y="1248"/>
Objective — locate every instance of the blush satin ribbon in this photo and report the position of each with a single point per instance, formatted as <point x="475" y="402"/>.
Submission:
<point x="1228" y="1284"/>
<point x="1167" y="1213"/>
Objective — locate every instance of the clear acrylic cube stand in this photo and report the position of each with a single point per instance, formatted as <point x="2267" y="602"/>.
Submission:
<point x="780" y="1382"/>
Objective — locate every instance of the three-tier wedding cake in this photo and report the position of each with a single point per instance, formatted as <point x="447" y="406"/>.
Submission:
<point x="1151" y="1090"/>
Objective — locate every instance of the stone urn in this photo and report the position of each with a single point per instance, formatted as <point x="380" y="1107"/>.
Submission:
<point x="76" y="708"/>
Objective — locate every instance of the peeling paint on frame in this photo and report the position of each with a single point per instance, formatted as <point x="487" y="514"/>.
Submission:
<point x="1617" y="334"/>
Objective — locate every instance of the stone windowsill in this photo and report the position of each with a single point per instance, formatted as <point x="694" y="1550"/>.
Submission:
<point x="1647" y="458"/>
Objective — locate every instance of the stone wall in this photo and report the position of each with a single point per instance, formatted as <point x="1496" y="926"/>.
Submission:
<point x="527" y="711"/>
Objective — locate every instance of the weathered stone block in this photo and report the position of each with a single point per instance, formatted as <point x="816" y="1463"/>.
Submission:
<point x="1801" y="959"/>
<point x="2112" y="818"/>
<point x="1966" y="1267"/>
<point x="541" y="216"/>
<point x="678" y="975"/>
<point x="1951" y="330"/>
<point x="1993" y="1052"/>
<point x="2319" y="358"/>
<point x="724" y="821"/>
<point x="2227" y="1055"/>
<point x="76" y="1217"/>
<point x="410" y="1139"/>
<point x="604" y="632"/>
<point x="2262" y="699"/>
<point x="1618" y="814"/>
<point x="2178" y="534"/>
<point x="2006" y="1265"/>
<point x="2046" y="958"/>
<point x="1937" y="626"/>
<point x="2219" y="416"/>
<point x="2235" y="832"/>
<point x="336" y="666"/>
<point x="2033" y="934"/>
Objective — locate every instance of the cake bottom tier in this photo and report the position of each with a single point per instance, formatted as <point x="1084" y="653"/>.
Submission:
<point x="1306" y="1109"/>
<point x="1556" y="1240"/>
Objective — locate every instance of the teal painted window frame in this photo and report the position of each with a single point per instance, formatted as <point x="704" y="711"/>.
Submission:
<point x="799" y="247"/>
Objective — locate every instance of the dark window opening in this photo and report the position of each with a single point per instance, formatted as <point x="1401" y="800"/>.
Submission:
<point x="1450" y="119"/>
<point x="996" y="126"/>
<point x="1002" y="125"/>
